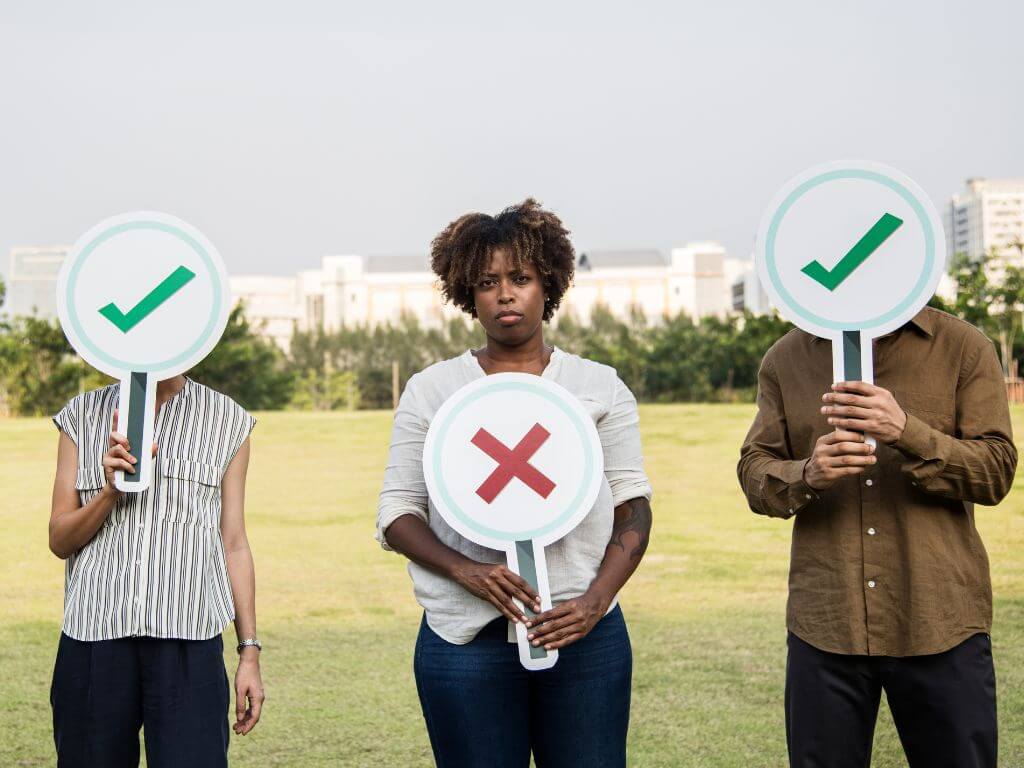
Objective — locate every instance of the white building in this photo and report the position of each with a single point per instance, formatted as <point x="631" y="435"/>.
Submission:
<point x="989" y="215"/>
<point x="32" y="281"/>
<point x="747" y="293"/>
<point x="351" y="290"/>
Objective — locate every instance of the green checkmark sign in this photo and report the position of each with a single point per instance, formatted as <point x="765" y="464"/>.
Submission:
<point x="169" y="286"/>
<point x="857" y="255"/>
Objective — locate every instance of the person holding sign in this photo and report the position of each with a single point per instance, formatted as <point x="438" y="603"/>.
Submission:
<point x="148" y="508"/>
<point x="889" y="581"/>
<point x="152" y="579"/>
<point x="481" y="706"/>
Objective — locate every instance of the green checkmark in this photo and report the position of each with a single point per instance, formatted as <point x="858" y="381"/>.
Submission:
<point x="857" y="255"/>
<point x="169" y="286"/>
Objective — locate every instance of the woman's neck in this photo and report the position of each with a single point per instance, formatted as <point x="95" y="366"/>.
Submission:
<point x="532" y="356"/>
<point x="168" y="388"/>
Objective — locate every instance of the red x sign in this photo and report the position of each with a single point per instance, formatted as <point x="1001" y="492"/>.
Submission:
<point x="512" y="463"/>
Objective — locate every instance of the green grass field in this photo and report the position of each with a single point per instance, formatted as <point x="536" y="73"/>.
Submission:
<point x="337" y="616"/>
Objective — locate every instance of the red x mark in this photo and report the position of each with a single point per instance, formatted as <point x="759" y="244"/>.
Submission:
<point x="512" y="463"/>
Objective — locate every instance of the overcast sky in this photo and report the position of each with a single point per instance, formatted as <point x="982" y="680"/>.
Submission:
<point x="312" y="128"/>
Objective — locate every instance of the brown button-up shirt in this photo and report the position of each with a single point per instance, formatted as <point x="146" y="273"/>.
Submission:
<point x="888" y="562"/>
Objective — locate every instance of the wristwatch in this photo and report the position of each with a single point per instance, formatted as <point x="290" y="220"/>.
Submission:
<point x="250" y="642"/>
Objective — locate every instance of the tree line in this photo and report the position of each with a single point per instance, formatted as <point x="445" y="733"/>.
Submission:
<point x="678" y="360"/>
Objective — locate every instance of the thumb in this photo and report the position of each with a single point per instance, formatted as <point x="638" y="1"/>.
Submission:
<point x="113" y="425"/>
<point x="154" y="447"/>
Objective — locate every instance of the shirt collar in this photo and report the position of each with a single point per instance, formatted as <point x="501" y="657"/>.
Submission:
<point x="924" y="321"/>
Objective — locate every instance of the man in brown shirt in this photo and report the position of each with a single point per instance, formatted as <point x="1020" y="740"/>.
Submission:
<point x="889" y="581"/>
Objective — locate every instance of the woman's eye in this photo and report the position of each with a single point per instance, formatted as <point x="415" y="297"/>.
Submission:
<point x="522" y="279"/>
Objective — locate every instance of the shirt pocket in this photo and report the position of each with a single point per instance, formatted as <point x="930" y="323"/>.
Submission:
<point x="190" y="493"/>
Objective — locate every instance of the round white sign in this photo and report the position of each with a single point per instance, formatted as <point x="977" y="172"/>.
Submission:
<point x="143" y="293"/>
<point x="850" y="246"/>
<point x="513" y="457"/>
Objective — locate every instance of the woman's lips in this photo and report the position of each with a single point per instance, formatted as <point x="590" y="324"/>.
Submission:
<point x="509" y="319"/>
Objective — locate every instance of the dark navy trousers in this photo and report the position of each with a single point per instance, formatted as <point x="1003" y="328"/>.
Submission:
<point x="484" y="710"/>
<point x="104" y="691"/>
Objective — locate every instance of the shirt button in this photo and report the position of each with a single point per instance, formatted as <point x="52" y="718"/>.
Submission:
<point x="807" y="496"/>
<point x="871" y="584"/>
<point x="871" y="531"/>
<point x="791" y="510"/>
<point x="869" y="482"/>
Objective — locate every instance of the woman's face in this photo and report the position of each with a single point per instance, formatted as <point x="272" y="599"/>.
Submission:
<point x="509" y="301"/>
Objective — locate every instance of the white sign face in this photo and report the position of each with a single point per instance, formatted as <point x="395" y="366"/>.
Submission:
<point x="142" y="297"/>
<point x="850" y="246"/>
<point x="514" y="462"/>
<point x="512" y="457"/>
<point x="143" y="292"/>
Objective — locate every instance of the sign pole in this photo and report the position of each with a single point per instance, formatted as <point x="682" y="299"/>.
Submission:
<point x="527" y="556"/>
<point x="137" y="409"/>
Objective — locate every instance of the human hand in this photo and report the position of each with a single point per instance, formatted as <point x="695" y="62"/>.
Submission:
<point x="863" y="407"/>
<point x="567" y="622"/>
<point x="118" y="456"/>
<point x="249" y="694"/>
<point x="498" y="585"/>
<point x="837" y="455"/>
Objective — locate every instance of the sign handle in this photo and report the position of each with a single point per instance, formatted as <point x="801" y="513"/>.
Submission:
<point x="137" y="408"/>
<point x="527" y="559"/>
<point x="853" y="360"/>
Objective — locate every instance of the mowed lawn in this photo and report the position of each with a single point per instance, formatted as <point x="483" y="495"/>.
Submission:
<point x="337" y="616"/>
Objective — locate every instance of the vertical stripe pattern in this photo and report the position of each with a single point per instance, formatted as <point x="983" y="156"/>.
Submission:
<point x="156" y="567"/>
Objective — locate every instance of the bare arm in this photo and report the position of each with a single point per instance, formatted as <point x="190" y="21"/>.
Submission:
<point x="490" y="581"/>
<point x="249" y="694"/>
<point x="72" y="525"/>
<point x="571" y="620"/>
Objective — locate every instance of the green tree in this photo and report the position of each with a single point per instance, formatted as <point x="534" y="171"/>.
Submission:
<point x="40" y="370"/>
<point x="247" y="367"/>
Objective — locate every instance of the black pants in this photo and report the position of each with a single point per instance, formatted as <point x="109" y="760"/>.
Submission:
<point x="104" y="691"/>
<point x="944" y="706"/>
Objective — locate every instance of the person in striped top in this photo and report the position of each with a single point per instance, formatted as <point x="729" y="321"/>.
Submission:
<point x="151" y="580"/>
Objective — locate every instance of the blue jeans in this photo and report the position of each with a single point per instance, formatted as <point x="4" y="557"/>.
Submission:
<point x="484" y="710"/>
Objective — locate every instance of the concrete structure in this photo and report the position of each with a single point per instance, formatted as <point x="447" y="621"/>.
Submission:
<point x="988" y="215"/>
<point x="747" y="294"/>
<point x="351" y="290"/>
<point x="32" y="281"/>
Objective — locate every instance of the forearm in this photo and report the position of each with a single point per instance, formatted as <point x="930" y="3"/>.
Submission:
<point x="412" y="537"/>
<point x="773" y="486"/>
<point x="73" y="529"/>
<point x="631" y="533"/>
<point x="979" y="470"/>
<point x="242" y="575"/>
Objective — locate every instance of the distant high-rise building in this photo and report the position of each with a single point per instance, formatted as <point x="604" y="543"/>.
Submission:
<point x="32" y="281"/>
<point x="988" y="216"/>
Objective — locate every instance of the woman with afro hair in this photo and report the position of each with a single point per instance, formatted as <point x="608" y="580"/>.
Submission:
<point x="481" y="707"/>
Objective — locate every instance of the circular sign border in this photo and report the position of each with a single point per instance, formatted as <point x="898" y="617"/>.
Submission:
<point x="897" y="181"/>
<point x="143" y="220"/>
<point x="581" y="503"/>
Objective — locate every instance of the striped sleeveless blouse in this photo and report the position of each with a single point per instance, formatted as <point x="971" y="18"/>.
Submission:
<point x="156" y="567"/>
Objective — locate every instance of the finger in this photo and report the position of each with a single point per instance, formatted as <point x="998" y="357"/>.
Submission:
<point x="841" y="435"/>
<point x="502" y="602"/>
<point x="858" y="387"/>
<point x="853" y="449"/>
<point x="256" y="702"/>
<point x="120" y="452"/>
<point x="119" y="465"/>
<point x="522" y="584"/>
<point x="516" y="592"/>
<point x="550" y="630"/>
<point x="568" y="639"/>
<point x="239" y="705"/>
<point x="556" y="612"/>
<point x="849" y="460"/>
<point x="851" y="411"/>
<point x="116" y="438"/>
<point x="114" y="421"/>
<point x="154" y="447"/>
<point x="844" y="471"/>
<point x="841" y="398"/>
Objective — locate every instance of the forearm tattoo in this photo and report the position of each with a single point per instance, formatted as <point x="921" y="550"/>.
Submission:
<point x="636" y="519"/>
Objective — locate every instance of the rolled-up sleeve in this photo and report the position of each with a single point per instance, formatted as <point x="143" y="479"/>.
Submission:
<point x="404" y="491"/>
<point x="619" y="430"/>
